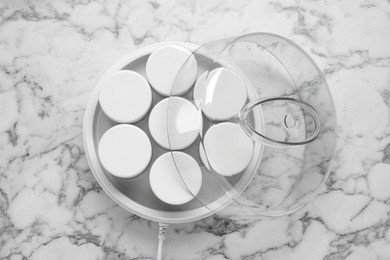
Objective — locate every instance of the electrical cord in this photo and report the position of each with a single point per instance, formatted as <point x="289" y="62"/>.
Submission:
<point x="162" y="233"/>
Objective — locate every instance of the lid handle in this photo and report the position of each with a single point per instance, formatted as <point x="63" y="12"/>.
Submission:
<point x="257" y="136"/>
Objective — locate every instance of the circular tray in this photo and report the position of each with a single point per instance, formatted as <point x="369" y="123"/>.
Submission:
<point x="135" y="194"/>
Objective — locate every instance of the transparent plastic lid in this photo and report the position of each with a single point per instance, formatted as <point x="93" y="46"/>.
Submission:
<point x="268" y="131"/>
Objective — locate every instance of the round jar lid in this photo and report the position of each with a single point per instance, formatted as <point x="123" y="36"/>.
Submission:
<point x="184" y="125"/>
<point x="227" y="148"/>
<point x="163" y="67"/>
<point x="221" y="94"/>
<point x="167" y="184"/>
<point x="125" y="151"/>
<point x="125" y="97"/>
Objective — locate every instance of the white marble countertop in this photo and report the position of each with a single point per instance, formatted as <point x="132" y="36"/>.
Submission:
<point x="52" y="53"/>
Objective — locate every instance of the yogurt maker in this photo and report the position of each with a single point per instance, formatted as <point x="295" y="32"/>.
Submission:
<point x="243" y="127"/>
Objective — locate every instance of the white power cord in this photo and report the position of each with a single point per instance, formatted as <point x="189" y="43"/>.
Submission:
<point x="162" y="233"/>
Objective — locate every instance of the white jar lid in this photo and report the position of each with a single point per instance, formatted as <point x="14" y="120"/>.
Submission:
<point x="221" y="94"/>
<point x="171" y="186"/>
<point x="185" y="123"/>
<point x="163" y="67"/>
<point x="125" y="97"/>
<point x="125" y="151"/>
<point x="228" y="149"/>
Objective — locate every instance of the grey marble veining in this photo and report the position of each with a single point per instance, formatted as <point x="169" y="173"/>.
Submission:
<point x="52" y="54"/>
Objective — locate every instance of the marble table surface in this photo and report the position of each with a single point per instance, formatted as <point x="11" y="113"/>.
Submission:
<point x="52" y="53"/>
